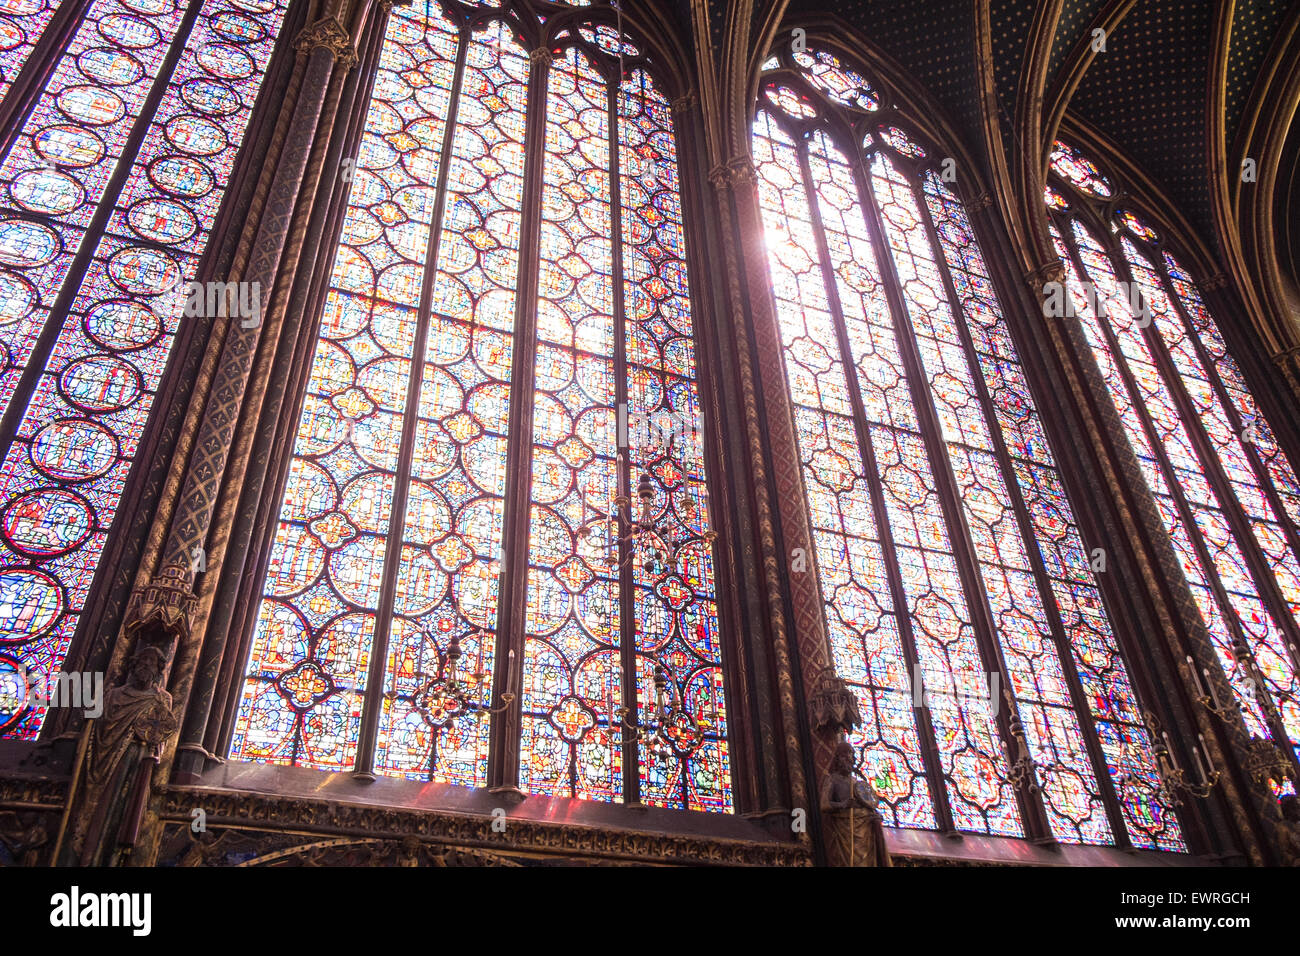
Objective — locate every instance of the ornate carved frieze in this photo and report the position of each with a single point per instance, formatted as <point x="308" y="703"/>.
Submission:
<point x="183" y="846"/>
<point x="254" y="811"/>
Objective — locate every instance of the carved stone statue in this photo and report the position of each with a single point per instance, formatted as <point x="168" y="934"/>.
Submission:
<point x="1290" y="828"/>
<point x="855" y="832"/>
<point x="125" y="744"/>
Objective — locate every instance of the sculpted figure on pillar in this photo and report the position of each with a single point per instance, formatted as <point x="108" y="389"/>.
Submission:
<point x="125" y="745"/>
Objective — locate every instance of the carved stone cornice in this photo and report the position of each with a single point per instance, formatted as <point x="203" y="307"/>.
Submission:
<point x="542" y="56"/>
<point x="1053" y="271"/>
<point x="167" y="603"/>
<point x="331" y="35"/>
<point x="258" y="811"/>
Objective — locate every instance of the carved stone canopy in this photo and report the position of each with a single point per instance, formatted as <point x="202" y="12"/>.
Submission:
<point x="166" y="603"/>
<point x="834" y="706"/>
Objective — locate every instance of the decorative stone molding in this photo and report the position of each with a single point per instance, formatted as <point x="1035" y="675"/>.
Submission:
<point x="684" y="103"/>
<point x="331" y="35"/>
<point x="1215" y="282"/>
<point x="257" y="811"/>
<point x="979" y="203"/>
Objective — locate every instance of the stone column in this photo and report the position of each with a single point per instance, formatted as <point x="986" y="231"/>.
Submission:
<point x="110" y="810"/>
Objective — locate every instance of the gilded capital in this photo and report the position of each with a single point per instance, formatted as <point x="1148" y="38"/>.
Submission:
<point x="330" y="34"/>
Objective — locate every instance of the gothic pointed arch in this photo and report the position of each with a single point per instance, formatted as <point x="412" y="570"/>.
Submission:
<point x="1223" y="484"/>
<point x="946" y="552"/>
<point x="494" y="561"/>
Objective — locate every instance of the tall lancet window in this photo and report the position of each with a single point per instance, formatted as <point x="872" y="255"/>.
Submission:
<point x="500" y="556"/>
<point x="109" y="187"/>
<point x="1229" y="499"/>
<point x="960" y="599"/>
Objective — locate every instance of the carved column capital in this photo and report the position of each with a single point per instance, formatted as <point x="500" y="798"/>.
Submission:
<point x="1053" y="271"/>
<point x="684" y="103"/>
<point x="718" y="177"/>
<point x="331" y="35"/>
<point x="742" y="172"/>
<point x="734" y="172"/>
<point x="1215" y="282"/>
<point x="1288" y="358"/>
<point x="979" y="203"/>
<point x="166" y="603"/>
<point x="542" y="56"/>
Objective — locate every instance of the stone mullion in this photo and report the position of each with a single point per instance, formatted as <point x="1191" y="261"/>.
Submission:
<point x="728" y="499"/>
<point x="799" y="659"/>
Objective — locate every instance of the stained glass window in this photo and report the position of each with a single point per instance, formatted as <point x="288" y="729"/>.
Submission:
<point x="393" y="561"/>
<point x="1229" y="499"/>
<point x="961" y="603"/>
<point x="108" y="198"/>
